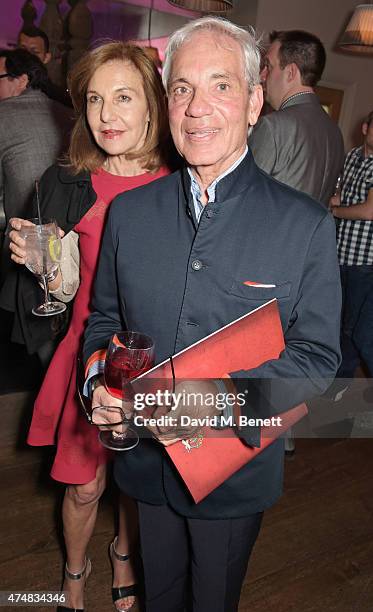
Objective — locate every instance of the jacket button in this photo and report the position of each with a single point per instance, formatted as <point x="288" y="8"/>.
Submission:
<point x="208" y="214"/>
<point x="196" y="264"/>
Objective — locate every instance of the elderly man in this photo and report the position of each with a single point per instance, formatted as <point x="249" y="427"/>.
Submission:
<point x="175" y="264"/>
<point x="298" y="144"/>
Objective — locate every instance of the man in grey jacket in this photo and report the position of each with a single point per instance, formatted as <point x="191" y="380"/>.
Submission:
<point x="33" y="131"/>
<point x="298" y="144"/>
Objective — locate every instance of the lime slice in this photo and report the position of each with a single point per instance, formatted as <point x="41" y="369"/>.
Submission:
<point x="54" y="247"/>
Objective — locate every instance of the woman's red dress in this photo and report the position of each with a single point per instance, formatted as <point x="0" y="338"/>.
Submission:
<point x="58" y="417"/>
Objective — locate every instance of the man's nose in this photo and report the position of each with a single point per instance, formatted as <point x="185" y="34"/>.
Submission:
<point x="199" y="105"/>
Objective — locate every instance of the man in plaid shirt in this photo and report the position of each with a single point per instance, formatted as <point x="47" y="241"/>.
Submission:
<point x="354" y="208"/>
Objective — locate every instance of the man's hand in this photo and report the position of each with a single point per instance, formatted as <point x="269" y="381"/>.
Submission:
<point x="194" y="394"/>
<point x="108" y="411"/>
<point x="335" y="200"/>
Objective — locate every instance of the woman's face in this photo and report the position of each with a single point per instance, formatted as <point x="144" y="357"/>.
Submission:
<point x="117" y="109"/>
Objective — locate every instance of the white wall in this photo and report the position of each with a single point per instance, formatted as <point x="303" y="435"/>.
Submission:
<point x="326" y="19"/>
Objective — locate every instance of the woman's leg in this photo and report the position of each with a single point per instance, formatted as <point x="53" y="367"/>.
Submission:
<point x="79" y="512"/>
<point x="126" y="544"/>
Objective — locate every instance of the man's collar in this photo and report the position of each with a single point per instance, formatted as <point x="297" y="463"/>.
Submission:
<point x="302" y="97"/>
<point x="231" y="184"/>
<point x="211" y="189"/>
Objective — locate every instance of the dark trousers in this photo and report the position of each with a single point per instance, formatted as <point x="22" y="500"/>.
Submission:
<point x="363" y="332"/>
<point x="357" y="282"/>
<point x="193" y="564"/>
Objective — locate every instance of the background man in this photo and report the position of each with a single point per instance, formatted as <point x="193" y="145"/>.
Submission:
<point x="36" y="42"/>
<point x="354" y="207"/>
<point x="33" y="133"/>
<point x="33" y="128"/>
<point x="176" y="262"/>
<point x="298" y="144"/>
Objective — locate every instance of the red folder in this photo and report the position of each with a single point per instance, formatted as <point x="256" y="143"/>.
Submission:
<point x="241" y="345"/>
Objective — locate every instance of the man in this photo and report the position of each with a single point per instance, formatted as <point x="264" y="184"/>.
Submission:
<point x="354" y="206"/>
<point x="33" y="129"/>
<point x="36" y="42"/>
<point x="298" y="144"/>
<point x="176" y="262"/>
<point x="33" y="134"/>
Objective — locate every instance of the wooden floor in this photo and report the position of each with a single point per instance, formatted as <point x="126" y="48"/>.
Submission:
<point x="314" y="553"/>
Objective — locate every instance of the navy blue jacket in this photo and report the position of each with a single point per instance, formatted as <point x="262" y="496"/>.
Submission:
<point x="258" y="230"/>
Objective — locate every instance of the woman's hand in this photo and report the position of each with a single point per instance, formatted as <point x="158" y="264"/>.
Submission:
<point x="17" y="243"/>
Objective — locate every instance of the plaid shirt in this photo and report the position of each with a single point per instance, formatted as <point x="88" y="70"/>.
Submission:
<point x="355" y="238"/>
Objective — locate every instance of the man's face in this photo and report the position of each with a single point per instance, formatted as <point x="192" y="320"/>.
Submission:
<point x="35" y="45"/>
<point x="209" y="103"/>
<point x="9" y="87"/>
<point x="368" y="137"/>
<point x="275" y="78"/>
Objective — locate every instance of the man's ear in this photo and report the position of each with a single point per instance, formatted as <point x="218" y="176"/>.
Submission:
<point x="364" y="128"/>
<point x="292" y="73"/>
<point x="47" y="58"/>
<point x="21" y="83"/>
<point x="255" y="104"/>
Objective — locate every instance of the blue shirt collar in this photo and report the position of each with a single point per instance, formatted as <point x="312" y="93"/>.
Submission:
<point x="211" y="190"/>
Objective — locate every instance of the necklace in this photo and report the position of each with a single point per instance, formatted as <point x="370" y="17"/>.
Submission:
<point x="300" y="93"/>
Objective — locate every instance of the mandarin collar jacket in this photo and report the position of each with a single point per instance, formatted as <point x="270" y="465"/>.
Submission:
<point x="162" y="274"/>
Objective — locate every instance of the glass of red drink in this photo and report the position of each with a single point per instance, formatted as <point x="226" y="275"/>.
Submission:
<point x="129" y="354"/>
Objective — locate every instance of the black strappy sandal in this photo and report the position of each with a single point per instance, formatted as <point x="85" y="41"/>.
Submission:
<point x="123" y="591"/>
<point x="76" y="576"/>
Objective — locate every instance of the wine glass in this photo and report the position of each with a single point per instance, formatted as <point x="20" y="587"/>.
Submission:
<point x="43" y="255"/>
<point x="129" y="354"/>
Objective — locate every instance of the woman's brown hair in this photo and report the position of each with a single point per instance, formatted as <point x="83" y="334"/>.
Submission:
<point x="84" y="153"/>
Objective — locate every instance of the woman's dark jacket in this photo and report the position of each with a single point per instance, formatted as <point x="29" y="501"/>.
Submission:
<point x="66" y="198"/>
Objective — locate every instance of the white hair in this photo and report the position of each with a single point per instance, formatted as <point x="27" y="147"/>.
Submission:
<point x="217" y="25"/>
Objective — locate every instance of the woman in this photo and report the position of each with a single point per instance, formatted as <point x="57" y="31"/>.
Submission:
<point x="116" y="145"/>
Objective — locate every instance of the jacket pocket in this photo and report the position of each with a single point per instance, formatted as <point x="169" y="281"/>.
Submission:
<point x="252" y="292"/>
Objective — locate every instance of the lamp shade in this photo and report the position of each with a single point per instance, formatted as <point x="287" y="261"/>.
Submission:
<point x="358" y="35"/>
<point x="204" y="6"/>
